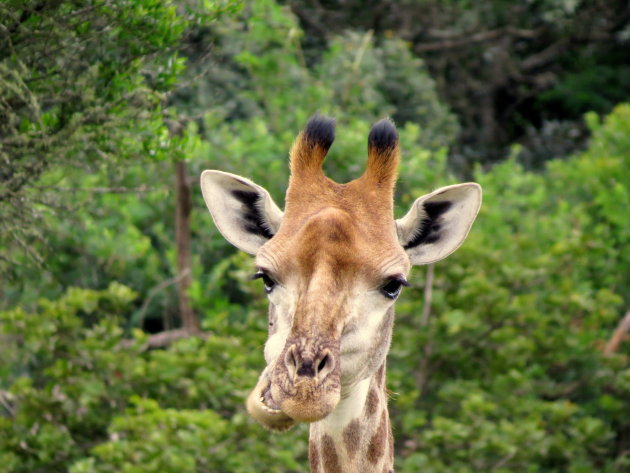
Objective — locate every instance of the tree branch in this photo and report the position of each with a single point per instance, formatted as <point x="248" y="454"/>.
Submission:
<point x="618" y="336"/>
<point x="102" y="190"/>
<point x="183" y="208"/>
<point x="456" y="41"/>
<point x="428" y="296"/>
<point x="5" y="400"/>
<point x="423" y="370"/>
<point x="546" y="56"/>
<point x="163" y="285"/>
<point x="309" y="19"/>
<point x="164" y="339"/>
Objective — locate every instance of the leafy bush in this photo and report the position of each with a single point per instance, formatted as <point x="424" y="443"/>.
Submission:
<point x="505" y="373"/>
<point x="508" y="374"/>
<point x="79" y="394"/>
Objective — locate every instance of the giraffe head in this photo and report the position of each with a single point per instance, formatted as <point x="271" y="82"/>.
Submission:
<point x="332" y="264"/>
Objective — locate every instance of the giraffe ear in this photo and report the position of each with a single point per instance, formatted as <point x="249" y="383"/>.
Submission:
<point x="244" y="212"/>
<point x="438" y="223"/>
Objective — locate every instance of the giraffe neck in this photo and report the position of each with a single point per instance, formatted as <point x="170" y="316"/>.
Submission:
<point x="356" y="436"/>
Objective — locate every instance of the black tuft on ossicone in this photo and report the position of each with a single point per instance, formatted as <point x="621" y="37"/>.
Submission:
<point x="383" y="135"/>
<point x="320" y="130"/>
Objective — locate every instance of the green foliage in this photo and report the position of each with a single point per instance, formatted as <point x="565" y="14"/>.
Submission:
<point x="516" y="381"/>
<point x="356" y="76"/>
<point x="79" y="394"/>
<point x="505" y="375"/>
<point x="513" y="379"/>
<point x="508" y="69"/>
<point x="150" y="439"/>
<point x="99" y="236"/>
<point x="82" y="83"/>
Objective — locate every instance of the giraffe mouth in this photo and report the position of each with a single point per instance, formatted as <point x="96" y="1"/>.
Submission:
<point x="267" y="401"/>
<point x="264" y="408"/>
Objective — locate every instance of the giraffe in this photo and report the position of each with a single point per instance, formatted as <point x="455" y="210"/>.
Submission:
<point x="332" y="264"/>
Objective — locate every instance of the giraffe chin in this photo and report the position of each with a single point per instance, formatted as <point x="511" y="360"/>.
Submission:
<point x="276" y="411"/>
<point x="302" y="411"/>
<point x="262" y="407"/>
<point x="309" y="401"/>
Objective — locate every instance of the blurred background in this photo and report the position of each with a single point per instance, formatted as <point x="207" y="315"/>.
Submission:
<point x="130" y="332"/>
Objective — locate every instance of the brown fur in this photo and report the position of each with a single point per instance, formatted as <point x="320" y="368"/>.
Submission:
<point x="333" y="254"/>
<point x="307" y="158"/>
<point x="352" y="437"/>
<point x="382" y="168"/>
<point x="376" y="449"/>
<point x="313" y="456"/>
<point x="327" y="242"/>
<point x="380" y="376"/>
<point x="330" y="457"/>
<point x="372" y="401"/>
<point x="331" y="237"/>
<point x="390" y="441"/>
<point x="327" y="250"/>
<point x="378" y="442"/>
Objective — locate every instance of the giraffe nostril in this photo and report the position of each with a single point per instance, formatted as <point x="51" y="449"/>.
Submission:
<point x="322" y="364"/>
<point x="291" y="362"/>
<point x="306" y="369"/>
<point x="300" y="363"/>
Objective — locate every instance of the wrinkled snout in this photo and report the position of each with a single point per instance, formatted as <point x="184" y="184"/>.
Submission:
<point x="305" y="363"/>
<point x="302" y="386"/>
<point x="306" y="379"/>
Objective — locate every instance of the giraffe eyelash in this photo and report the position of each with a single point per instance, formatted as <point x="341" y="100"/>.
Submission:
<point x="392" y="287"/>
<point x="267" y="281"/>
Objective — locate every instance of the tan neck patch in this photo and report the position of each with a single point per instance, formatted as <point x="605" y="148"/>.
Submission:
<point x="378" y="442"/>
<point x="313" y="456"/>
<point x="371" y="404"/>
<point x="362" y="445"/>
<point x="352" y="437"/>
<point x="330" y="457"/>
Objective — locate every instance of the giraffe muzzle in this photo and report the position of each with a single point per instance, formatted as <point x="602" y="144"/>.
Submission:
<point x="305" y="382"/>
<point x="304" y="365"/>
<point x="303" y="385"/>
<point x="262" y="407"/>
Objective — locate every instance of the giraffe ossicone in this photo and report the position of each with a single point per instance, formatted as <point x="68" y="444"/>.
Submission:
<point x="333" y="263"/>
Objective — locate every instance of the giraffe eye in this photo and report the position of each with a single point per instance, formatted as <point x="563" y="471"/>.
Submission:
<point x="391" y="289"/>
<point x="267" y="281"/>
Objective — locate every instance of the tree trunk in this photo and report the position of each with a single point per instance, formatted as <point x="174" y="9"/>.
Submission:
<point x="619" y="336"/>
<point x="182" y="240"/>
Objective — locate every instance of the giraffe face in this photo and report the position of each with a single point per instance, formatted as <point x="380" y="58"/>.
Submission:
<point x="331" y="285"/>
<point x="332" y="265"/>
